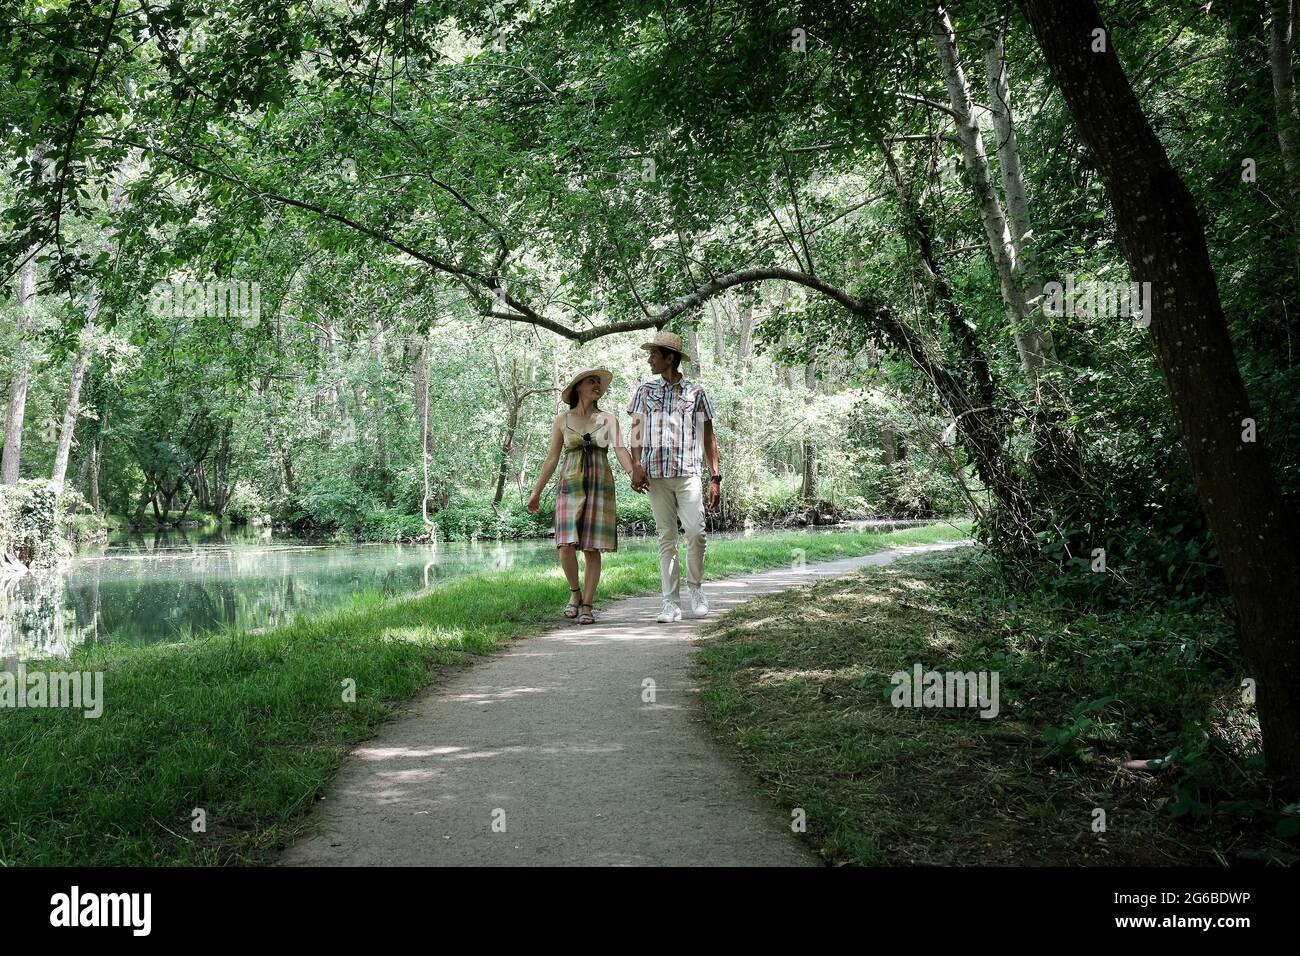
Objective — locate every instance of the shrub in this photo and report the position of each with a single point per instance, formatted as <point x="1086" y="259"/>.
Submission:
<point x="79" y="522"/>
<point x="392" y="524"/>
<point x="30" y="524"/>
<point x="468" y="518"/>
<point x="246" y="503"/>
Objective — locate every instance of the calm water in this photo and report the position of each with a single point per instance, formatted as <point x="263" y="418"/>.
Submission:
<point x="169" y="586"/>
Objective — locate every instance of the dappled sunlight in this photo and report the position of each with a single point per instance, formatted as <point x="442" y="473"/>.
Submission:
<point x="468" y="753"/>
<point x="944" y="642"/>
<point x="488" y="698"/>
<point x="842" y="674"/>
<point x="763" y="623"/>
<point x="423" y="635"/>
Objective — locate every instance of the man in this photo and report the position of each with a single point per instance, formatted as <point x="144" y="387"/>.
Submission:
<point x="671" y="418"/>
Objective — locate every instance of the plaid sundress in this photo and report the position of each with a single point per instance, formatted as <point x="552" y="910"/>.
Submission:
<point x="585" y="511"/>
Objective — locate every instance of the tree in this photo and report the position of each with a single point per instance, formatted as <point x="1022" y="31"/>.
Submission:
<point x="1164" y="243"/>
<point x="17" y="404"/>
<point x="72" y="409"/>
<point x="1033" y="343"/>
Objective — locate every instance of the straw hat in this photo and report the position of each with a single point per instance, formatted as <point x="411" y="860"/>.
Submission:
<point x="606" y="376"/>
<point x="670" y="341"/>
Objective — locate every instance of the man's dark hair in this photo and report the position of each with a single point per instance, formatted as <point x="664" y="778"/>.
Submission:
<point x="675" y="356"/>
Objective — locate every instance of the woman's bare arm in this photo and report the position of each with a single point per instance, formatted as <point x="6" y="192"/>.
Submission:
<point x="552" y="456"/>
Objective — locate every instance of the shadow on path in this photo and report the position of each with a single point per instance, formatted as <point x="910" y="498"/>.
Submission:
<point x="552" y="739"/>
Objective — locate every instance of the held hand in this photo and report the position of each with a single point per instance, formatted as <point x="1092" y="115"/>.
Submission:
<point x="639" y="480"/>
<point x="715" y="494"/>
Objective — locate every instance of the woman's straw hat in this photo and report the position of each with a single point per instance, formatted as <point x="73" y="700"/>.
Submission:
<point x="670" y="341"/>
<point x="605" y="375"/>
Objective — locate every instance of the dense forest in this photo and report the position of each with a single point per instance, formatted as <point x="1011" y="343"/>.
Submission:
<point x="327" y="264"/>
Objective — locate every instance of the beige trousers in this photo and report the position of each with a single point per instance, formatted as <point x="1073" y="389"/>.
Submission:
<point x="671" y="500"/>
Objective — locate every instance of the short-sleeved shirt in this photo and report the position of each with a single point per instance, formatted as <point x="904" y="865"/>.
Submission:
<point x="667" y="424"/>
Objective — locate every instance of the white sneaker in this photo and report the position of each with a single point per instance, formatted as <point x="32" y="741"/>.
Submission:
<point x="669" y="613"/>
<point x="699" y="606"/>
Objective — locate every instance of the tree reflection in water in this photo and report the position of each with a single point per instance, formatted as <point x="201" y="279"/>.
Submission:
<point x="171" y="585"/>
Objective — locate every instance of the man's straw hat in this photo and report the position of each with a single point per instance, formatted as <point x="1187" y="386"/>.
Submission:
<point x="605" y="375"/>
<point x="670" y="341"/>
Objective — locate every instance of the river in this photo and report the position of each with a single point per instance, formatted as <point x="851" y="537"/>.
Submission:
<point x="173" y="585"/>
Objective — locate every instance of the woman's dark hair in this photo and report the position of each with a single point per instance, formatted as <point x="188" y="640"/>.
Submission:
<point x="573" y="395"/>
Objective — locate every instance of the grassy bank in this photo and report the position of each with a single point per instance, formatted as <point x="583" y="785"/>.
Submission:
<point x="800" y="684"/>
<point x="249" y="727"/>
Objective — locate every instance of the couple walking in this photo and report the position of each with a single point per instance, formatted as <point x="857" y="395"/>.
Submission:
<point x="672" y="423"/>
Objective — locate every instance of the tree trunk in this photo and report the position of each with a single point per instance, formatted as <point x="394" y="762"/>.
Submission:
<point x="1164" y="243"/>
<point x="809" y="490"/>
<point x="1028" y="342"/>
<point x="189" y="498"/>
<point x="1013" y="188"/>
<point x="719" y="340"/>
<point x="786" y="372"/>
<point x="146" y="495"/>
<point x="920" y="230"/>
<point x="889" y="445"/>
<point x="422" y="406"/>
<point x="96" y="455"/>
<point x="380" y="400"/>
<point x="290" y="482"/>
<point x="202" y="490"/>
<point x="72" y="410"/>
<point x="507" y="449"/>
<point x="1281" y="42"/>
<point x="224" y="488"/>
<point x="17" y="406"/>
<point x="745" y="345"/>
<point x="83" y="471"/>
<point x="1280" y="45"/>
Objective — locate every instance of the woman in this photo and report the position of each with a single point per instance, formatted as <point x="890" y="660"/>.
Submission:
<point x="586" y="516"/>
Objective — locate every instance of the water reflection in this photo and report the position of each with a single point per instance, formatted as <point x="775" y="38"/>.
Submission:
<point x="170" y="585"/>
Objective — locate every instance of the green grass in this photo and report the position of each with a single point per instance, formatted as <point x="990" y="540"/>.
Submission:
<point x="250" y="727"/>
<point x="799" y="684"/>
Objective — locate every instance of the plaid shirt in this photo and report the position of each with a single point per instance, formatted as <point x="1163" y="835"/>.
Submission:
<point x="667" y="422"/>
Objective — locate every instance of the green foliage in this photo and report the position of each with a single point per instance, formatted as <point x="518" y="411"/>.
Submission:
<point x="470" y="518"/>
<point x="1136" y="709"/>
<point x="245" y="503"/>
<point x="388" y="524"/>
<point x="31" y="523"/>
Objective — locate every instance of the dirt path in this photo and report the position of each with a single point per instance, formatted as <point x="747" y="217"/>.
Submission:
<point x="552" y="740"/>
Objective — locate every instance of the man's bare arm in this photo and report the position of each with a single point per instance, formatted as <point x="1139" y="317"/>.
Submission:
<point x="711" y="448"/>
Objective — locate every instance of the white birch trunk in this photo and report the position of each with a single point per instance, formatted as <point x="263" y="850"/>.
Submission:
<point x="17" y="405"/>
<point x="995" y="224"/>
<point x="1013" y="188"/>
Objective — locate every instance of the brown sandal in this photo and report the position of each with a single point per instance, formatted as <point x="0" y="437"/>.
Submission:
<point x="571" y="609"/>
<point x="587" y="616"/>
